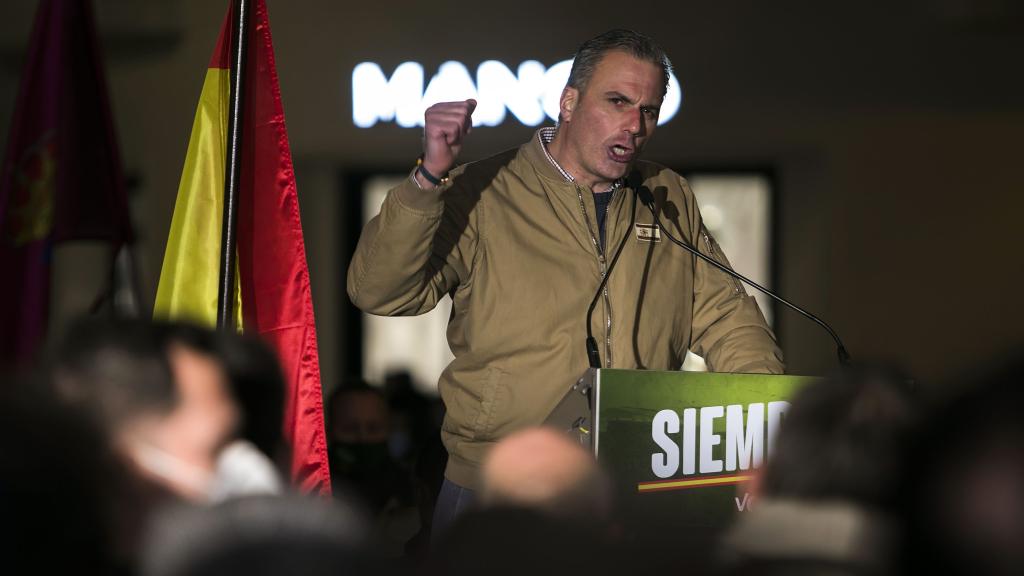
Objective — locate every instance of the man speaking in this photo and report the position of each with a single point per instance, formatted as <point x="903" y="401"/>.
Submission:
<point x="522" y="241"/>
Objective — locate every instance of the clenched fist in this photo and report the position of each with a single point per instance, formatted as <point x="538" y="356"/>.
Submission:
<point x="444" y="127"/>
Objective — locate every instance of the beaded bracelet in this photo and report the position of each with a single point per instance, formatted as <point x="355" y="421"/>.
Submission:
<point x="428" y="176"/>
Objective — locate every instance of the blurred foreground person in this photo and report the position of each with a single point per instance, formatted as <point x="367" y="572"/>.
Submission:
<point x="161" y="395"/>
<point x="824" y="502"/>
<point x="164" y="401"/>
<point x="58" y="484"/>
<point x="537" y="468"/>
<point x="196" y="411"/>
<point x="257" y="536"/>
<point x="965" y="495"/>
<point x="543" y="469"/>
<point x="543" y="508"/>
<point x="117" y="374"/>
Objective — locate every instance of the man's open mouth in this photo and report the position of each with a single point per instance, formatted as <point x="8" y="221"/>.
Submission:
<point x="620" y="153"/>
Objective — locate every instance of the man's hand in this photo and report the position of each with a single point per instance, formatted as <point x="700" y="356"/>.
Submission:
<point x="445" y="125"/>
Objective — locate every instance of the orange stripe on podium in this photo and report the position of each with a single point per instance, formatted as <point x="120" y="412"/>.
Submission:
<point x="702" y="482"/>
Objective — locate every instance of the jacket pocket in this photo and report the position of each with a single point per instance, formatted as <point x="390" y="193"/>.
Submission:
<point x="492" y="402"/>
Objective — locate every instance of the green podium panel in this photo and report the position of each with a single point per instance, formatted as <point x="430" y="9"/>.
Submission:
<point x="679" y="445"/>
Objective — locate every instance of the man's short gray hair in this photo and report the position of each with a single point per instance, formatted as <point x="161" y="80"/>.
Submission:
<point x="633" y="43"/>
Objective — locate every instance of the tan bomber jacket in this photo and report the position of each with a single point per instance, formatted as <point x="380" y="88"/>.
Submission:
<point x="515" y="245"/>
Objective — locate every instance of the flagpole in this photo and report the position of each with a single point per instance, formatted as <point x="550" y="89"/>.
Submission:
<point x="233" y="165"/>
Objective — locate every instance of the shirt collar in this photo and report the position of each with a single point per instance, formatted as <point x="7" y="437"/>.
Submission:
<point x="546" y="135"/>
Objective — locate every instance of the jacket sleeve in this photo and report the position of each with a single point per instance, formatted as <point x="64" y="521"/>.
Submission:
<point x="413" y="252"/>
<point x="728" y="329"/>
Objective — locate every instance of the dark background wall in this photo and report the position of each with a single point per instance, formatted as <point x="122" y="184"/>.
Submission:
<point x="894" y="129"/>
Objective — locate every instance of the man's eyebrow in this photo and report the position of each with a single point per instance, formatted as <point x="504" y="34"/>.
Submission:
<point x="630" y="101"/>
<point x="617" y="94"/>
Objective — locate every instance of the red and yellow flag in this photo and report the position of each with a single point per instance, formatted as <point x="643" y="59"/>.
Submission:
<point x="274" y="298"/>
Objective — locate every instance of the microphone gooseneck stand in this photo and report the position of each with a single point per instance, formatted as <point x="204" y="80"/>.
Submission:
<point x="592" y="353"/>
<point x="844" y="356"/>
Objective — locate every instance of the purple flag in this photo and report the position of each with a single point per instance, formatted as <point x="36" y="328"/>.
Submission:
<point x="61" y="177"/>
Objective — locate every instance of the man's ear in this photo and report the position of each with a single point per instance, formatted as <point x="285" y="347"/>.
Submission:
<point x="567" y="103"/>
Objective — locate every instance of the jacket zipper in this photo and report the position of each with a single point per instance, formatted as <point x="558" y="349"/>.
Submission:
<point x="604" y="271"/>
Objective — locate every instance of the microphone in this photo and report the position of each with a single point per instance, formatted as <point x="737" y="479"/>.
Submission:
<point x="648" y="200"/>
<point x="592" y="353"/>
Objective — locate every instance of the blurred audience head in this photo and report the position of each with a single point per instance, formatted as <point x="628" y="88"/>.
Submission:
<point x="359" y="414"/>
<point x="160" y="391"/>
<point x="115" y="371"/>
<point x="543" y="469"/>
<point x="845" y="438"/>
<point x="259" y="535"/>
<point x="824" y="501"/>
<point x="359" y="425"/>
<point x="965" y="495"/>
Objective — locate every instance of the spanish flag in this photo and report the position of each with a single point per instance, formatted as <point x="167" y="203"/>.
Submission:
<point x="273" y="293"/>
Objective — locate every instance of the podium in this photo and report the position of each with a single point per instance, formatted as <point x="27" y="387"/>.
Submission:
<point x="680" y="446"/>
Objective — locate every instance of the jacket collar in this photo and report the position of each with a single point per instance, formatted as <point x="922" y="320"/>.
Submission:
<point x="537" y="154"/>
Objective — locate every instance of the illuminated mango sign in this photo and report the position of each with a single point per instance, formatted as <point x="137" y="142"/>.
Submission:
<point x="530" y="95"/>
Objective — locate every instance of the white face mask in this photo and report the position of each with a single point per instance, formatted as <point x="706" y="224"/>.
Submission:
<point x="242" y="470"/>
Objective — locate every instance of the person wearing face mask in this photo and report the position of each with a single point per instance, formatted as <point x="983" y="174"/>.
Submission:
<point x="359" y="424"/>
<point x="522" y="240"/>
<point x="161" y="392"/>
<point x="163" y="412"/>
